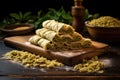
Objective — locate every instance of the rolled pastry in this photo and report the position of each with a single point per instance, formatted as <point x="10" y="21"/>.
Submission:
<point x="77" y="36"/>
<point x="48" y="34"/>
<point x="61" y="46"/>
<point x="59" y="27"/>
<point x="66" y="46"/>
<point x="86" y="42"/>
<point x="41" y="31"/>
<point x="45" y="44"/>
<point x="34" y="39"/>
<point x="75" y="45"/>
<point x="66" y="38"/>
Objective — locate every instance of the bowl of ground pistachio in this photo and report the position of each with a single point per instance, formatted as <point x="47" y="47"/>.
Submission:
<point x="104" y="28"/>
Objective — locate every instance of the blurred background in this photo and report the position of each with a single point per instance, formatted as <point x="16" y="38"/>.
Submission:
<point x="103" y="7"/>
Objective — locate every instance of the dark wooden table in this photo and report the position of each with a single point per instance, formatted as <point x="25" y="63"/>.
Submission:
<point x="11" y="71"/>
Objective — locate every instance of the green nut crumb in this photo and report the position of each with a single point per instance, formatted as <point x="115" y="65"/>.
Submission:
<point x="105" y="21"/>
<point x="31" y="60"/>
<point x="92" y="65"/>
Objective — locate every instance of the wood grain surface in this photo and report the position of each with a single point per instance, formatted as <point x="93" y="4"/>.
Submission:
<point x="67" y="57"/>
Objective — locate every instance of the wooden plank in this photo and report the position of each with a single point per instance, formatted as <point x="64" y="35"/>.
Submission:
<point x="67" y="57"/>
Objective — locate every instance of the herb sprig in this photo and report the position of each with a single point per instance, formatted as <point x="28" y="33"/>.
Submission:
<point x="60" y="15"/>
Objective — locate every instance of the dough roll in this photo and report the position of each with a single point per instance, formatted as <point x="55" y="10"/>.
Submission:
<point x="48" y="34"/>
<point x="85" y="42"/>
<point x="61" y="46"/>
<point x="34" y="39"/>
<point x="45" y="44"/>
<point x="66" y="38"/>
<point x="41" y="31"/>
<point x="77" y="36"/>
<point x="75" y="45"/>
<point x="59" y="27"/>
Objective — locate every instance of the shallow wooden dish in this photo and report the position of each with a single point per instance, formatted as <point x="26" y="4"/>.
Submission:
<point x="67" y="57"/>
<point x="17" y="29"/>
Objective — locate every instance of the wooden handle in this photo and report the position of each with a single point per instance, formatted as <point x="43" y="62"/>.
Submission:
<point x="78" y="2"/>
<point x="78" y="12"/>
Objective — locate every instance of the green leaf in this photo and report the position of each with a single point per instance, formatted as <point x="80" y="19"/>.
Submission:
<point x="20" y="15"/>
<point x="30" y="21"/>
<point x="89" y="16"/>
<point x="86" y="12"/>
<point x="6" y="21"/>
<point x="14" y="15"/>
<point x="27" y="14"/>
<point x="66" y="16"/>
<point x="86" y="15"/>
<point x="96" y="15"/>
<point x="39" y="13"/>
<point x="61" y="9"/>
<point x="52" y="10"/>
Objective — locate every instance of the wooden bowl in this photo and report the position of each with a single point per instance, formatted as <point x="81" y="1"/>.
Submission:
<point x="17" y="29"/>
<point x="106" y="34"/>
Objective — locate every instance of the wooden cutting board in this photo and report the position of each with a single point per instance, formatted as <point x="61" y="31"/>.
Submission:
<point x="67" y="57"/>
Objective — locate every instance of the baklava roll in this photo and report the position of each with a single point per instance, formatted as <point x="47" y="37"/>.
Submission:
<point x="66" y="46"/>
<point x="59" y="27"/>
<point x="66" y="38"/>
<point x="51" y="36"/>
<point x="34" y="39"/>
<point x="41" y="31"/>
<point x="64" y="29"/>
<point x="75" y="45"/>
<point x="45" y="44"/>
<point x="77" y="36"/>
<point x="48" y="34"/>
<point x="86" y="42"/>
<point x="61" y="46"/>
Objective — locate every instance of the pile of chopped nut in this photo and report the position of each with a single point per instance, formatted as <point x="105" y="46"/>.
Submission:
<point x="92" y="65"/>
<point x="105" y="21"/>
<point x="31" y="60"/>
